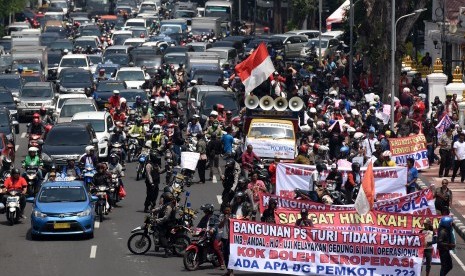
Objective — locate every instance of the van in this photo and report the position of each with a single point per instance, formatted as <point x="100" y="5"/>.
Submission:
<point x="135" y="22"/>
<point x="227" y="54"/>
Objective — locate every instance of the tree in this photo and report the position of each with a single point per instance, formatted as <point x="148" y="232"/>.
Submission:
<point x="373" y="27"/>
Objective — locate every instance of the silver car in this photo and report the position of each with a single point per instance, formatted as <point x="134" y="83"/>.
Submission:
<point x="33" y="96"/>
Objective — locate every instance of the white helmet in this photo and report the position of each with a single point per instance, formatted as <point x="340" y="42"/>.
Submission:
<point x="89" y="148"/>
<point x="406" y="90"/>
<point x="34" y="149"/>
<point x="354" y="112"/>
<point x="156" y="128"/>
<point x="213" y="113"/>
<point x="387" y="154"/>
<point x="122" y="100"/>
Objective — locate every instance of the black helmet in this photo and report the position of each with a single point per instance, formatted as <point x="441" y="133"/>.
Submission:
<point x="304" y="212"/>
<point x="138" y="121"/>
<point x="15" y="171"/>
<point x="167" y="197"/>
<point x="320" y="167"/>
<point x="154" y="158"/>
<point x="207" y="208"/>
<point x="239" y="195"/>
<point x="168" y="189"/>
<point x="230" y="163"/>
<point x="242" y="180"/>
<point x="355" y="166"/>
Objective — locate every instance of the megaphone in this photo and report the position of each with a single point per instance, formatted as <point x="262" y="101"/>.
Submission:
<point x="251" y="102"/>
<point x="296" y="104"/>
<point x="280" y="104"/>
<point x="266" y="103"/>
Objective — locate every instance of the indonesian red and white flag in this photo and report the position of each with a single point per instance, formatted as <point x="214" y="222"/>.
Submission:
<point x="366" y="195"/>
<point x="255" y="69"/>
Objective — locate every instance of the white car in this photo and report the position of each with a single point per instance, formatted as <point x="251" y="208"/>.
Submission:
<point x="63" y="97"/>
<point x="102" y="123"/>
<point x="73" y="61"/>
<point x="134" y="77"/>
<point x="73" y="106"/>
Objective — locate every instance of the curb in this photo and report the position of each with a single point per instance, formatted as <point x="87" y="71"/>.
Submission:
<point x="458" y="224"/>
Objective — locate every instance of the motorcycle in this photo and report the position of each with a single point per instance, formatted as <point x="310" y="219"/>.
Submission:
<point x="114" y="188"/>
<point x="117" y="148"/>
<point x="143" y="157"/>
<point x="34" y="141"/>
<point x="133" y="147"/>
<point x="169" y="165"/>
<point x="88" y="174"/>
<point x="32" y="180"/>
<point x="200" y="252"/>
<point x="102" y="205"/>
<point x="13" y="208"/>
<point x="140" y="242"/>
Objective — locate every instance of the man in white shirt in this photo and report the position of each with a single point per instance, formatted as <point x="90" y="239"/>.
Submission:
<point x="369" y="143"/>
<point x="276" y="86"/>
<point x="458" y="151"/>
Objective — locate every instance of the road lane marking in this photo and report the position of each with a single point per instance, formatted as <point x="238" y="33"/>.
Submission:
<point x="97" y="224"/>
<point x="93" y="251"/>
<point x="458" y="261"/>
<point x="214" y="179"/>
<point x="23" y="135"/>
<point x="16" y="147"/>
<point x="218" y="197"/>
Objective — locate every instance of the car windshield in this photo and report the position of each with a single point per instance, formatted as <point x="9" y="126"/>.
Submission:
<point x="61" y="45"/>
<point x="170" y="29"/>
<point x="210" y="100"/>
<point x="200" y="31"/>
<point x="147" y="62"/>
<point x="75" y="77"/>
<point x="95" y="59"/>
<point x="47" y="40"/>
<point x="117" y="59"/>
<point x="68" y="110"/>
<point x="64" y="137"/>
<point x="4" y="121"/>
<point x="73" y="62"/>
<point x="135" y="24"/>
<point x="54" y="59"/>
<point x="62" y="194"/>
<point x="208" y="77"/>
<point x="131" y="96"/>
<point x="97" y="125"/>
<point x="175" y="59"/>
<point x="110" y="86"/>
<point x="85" y="43"/>
<point x="36" y="92"/>
<point x="6" y="98"/>
<point x="254" y="43"/>
<point x="11" y="83"/>
<point x="27" y="65"/>
<point x="184" y="14"/>
<point x="272" y="130"/>
<point x="120" y="39"/>
<point x="324" y="43"/>
<point x="6" y="45"/>
<point x="130" y="76"/>
<point x="61" y="101"/>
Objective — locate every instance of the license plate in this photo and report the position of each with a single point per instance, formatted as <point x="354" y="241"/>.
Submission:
<point x="11" y="199"/>
<point x="61" y="226"/>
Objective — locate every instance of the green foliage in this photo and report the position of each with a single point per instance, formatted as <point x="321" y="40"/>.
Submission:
<point x="11" y="6"/>
<point x="300" y="10"/>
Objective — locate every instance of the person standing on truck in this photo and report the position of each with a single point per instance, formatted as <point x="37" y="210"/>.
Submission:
<point x="247" y="161"/>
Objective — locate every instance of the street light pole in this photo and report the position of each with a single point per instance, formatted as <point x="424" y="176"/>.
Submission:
<point x="255" y="16"/>
<point x="351" y="54"/>
<point x="393" y="52"/>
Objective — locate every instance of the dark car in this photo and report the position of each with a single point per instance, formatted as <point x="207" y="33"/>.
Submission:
<point x="120" y="59"/>
<point x="67" y="140"/>
<point x="53" y="59"/>
<point x="238" y="45"/>
<point x="90" y="30"/>
<point x="56" y="29"/>
<point x="8" y="124"/>
<point x="153" y="51"/>
<point x="6" y="44"/>
<point x="175" y="49"/>
<point x="47" y="39"/>
<point x="227" y="99"/>
<point x="131" y="94"/>
<point x="151" y="63"/>
<point x="12" y="82"/>
<point x="207" y="76"/>
<point x="105" y="89"/>
<point x="254" y="43"/>
<point x="61" y="44"/>
<point x="5" y="63"/>
<point x="75" y="80"/>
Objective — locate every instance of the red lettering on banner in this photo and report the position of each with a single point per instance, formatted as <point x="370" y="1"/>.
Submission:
<point x="250" y="252"/>
<point x="384" y="196"/>
<point x="385" y="174"/>
<point x="285" y="255"/>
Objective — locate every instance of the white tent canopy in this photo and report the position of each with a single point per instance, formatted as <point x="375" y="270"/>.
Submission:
<point x="338" y="15"/>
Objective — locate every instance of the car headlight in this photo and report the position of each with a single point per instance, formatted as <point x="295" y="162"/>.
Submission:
<point x="46" y="158"/>
<point x="84" y="213"/>
<point x="38" y="214"/>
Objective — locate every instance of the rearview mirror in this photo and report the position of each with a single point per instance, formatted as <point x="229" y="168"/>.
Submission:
<point x="40" y="142"/>
<point x="95" y="141"/>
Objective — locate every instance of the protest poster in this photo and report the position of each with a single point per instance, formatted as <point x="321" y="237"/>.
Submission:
<point x="443" y="125"/>
<point x="285" y="249"/>
<point x="389" y="181"/>
<point x="419" y="203"/>
<point x="410" y="147"/>
<point x="189" y="160"/>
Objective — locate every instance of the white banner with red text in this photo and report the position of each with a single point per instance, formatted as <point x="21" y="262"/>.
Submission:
<point x="272" y="248"/>
<point x="421" y="202"/>
<point x="389" y="181"/>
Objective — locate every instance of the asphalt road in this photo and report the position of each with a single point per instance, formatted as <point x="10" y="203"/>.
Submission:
<point x="107" y="253"/>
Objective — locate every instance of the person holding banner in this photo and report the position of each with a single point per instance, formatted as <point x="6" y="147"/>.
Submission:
<point x="445" y="143"/>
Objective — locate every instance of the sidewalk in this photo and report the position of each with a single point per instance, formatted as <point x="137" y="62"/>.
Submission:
<point x="430" y="176"/>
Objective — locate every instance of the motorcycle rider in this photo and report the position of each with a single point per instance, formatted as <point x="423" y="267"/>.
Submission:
<point x="166" y="217"/>
<point x="315" y="178"/>
<point x="118" y="137"/>
<point x="241" y="209"/>
<point x="208" y="210"/>
<point x="138" y="128"/>
<point x="71" y="170"/>
<point x="353" y="180"/>
<point x="194" y="127"/>
<point x="114" y="100"/>
<point x="302" y="157"/>
<point x="157" y="138"/>
<point x="44" y="117"/>
<point x="101" y="178"/>
<point x="152" y="181"/>
<point x="114" y="167"/>
<point x="89" y="157"/>
<point x="16" y="182"/>
<point x="36" y="127"/>
<point x="33" y="160"/>
<point x="304" y="221"/>
<point x="214" y="128"/>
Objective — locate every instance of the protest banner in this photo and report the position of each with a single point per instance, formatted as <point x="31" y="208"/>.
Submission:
<point x="389" y="181"/>
<point x="420" y="203"/>
<point x="410" y="147"/>
<point x="189" y="160"/>
<point x="443" y="125"/>
<point x="285" y="249"/>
